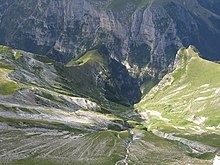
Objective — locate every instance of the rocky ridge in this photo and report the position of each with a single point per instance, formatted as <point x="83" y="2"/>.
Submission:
<point x="144" y="35"/>
<point x="185" y="102"/>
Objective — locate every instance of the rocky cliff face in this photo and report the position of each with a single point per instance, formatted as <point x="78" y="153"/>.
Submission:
<point x="144" y="35"/>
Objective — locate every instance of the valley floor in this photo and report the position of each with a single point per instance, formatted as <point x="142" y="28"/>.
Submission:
<point x="27" y="146"/>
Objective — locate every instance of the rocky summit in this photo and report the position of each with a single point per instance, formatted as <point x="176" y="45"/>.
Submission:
<point x="115" y="82"/>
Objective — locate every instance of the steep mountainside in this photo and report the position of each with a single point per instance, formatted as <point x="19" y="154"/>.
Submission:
<point x="77" y="82"/>
<point x="144" y="35"/>
<point x="51" y="114"/>
<point x="186" y="102"/>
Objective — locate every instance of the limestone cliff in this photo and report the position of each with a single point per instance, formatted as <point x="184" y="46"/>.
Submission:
<point x="144" y="35"/>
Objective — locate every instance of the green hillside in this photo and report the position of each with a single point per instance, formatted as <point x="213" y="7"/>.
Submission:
<point x="53" y="114"/>
<point x="186" y="101"/>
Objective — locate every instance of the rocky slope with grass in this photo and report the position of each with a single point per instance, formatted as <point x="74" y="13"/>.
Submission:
<point x="49" y="114"/>
<point x="186" y="102"/>
<point x="73" y="75"/>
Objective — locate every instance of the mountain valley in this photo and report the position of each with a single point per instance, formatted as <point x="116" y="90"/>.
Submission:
<point x="109" y="82"/>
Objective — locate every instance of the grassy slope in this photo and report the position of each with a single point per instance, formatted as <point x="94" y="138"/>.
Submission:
<point x="187" y="100"/>
<point x="105" y="147"/>
<point x="7" y="87"/>
<point x="75" y="79"/>
<point x="92" y="55"/>
<point x="28" y="140"/>
<point x="94" y="148"/>
<point x="84" y="73"/>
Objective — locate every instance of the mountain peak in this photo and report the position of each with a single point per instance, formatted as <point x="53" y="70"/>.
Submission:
<point x="184" y="55"/>
<point x="186" y="98"/>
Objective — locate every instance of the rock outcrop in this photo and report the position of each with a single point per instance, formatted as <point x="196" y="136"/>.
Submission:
<point x="143" y="34"/>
